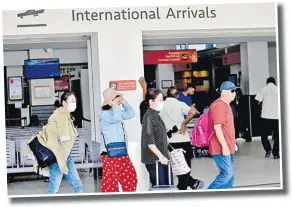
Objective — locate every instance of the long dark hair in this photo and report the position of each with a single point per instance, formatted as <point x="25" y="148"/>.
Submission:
<point x="151" y="94"/>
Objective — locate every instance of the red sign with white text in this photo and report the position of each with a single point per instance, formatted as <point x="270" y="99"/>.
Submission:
<point x="123" y="85"/>
<point x="231" y="58"/>
<point x="170" y="57"/>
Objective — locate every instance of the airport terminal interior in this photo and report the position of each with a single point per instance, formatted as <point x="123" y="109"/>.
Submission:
<point x="31" y="64"/>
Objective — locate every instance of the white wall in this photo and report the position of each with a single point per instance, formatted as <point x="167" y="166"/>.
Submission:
<point x="85" y="96"/>
<point x="15" y="58"/>
<point x="66" y="56"/>
<point x="272" y="52"/>
<point x="234" y="69"/>
<point x="164" y="72"/>
<point x="254" y="65"/>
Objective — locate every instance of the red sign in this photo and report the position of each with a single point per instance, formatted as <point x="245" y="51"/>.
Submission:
<point x="62" y="84"/>
<point x="170" y="57"/>
<point x="181" y="67"/>
<point x="231" y="58"/>
<point x="123" y="85"/>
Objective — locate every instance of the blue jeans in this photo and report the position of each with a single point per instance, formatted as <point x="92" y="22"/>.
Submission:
<point x="56" y="177"/>
<point x="225" y="179"/>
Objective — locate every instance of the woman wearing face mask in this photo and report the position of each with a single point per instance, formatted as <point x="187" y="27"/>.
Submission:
<point x="59" y="136"/>
<point x="116" y="164"/>
<point x="154" y="145"/>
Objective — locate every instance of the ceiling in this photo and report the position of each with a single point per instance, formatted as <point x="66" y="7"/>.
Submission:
<point x="215" y="36"/>
<point x="42" y="43"/>
<point x="150" y="38"/>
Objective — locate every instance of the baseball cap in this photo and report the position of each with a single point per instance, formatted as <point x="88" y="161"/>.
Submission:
<point x="109" y="95"/>
<point x="228" y="85"/>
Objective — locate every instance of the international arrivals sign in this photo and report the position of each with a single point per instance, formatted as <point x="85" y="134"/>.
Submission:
<point x="170" y="57"/>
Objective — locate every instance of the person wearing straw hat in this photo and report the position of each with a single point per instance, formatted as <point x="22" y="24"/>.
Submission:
<point x="116" y="164"/>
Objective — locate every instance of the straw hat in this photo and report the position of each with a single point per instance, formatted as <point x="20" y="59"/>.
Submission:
<point x="109" y="95"/>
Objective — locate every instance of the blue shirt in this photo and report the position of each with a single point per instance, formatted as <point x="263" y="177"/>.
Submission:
<point x="185" y="99"/>
<point x="111" y="124"/>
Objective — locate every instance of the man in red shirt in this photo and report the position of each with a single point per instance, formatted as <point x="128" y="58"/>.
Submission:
<point x="222" y="143"/>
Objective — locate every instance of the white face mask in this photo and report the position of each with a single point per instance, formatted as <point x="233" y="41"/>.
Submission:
<point x="71" y="107"/>
<point x="159" y="107"/>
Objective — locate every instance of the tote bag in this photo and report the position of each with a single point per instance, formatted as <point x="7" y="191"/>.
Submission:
<point x="178" y="162"/>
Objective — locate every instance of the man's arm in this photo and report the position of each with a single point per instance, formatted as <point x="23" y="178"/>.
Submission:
<point x="259" y="97"/>
<point x="194" y="109"/>
<point x="190" y="116"/>
<point x="143" y="85"/>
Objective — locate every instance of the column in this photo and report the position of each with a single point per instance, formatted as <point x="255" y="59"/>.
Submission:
<point x="254" y="66"/>
<point x="164" y="72"/>
<point x="120" y="57"/>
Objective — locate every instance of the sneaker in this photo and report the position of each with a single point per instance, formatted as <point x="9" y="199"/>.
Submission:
<point x="198" y="185"/>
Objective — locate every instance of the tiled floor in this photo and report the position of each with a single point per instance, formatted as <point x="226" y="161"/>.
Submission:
<point x="252" y="170"/>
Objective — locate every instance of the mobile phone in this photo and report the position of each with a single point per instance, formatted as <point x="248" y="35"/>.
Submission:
<point x="174" y="129"/>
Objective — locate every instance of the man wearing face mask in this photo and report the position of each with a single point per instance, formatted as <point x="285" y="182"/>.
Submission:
<point x="222" y="143"/>
<point x="173" y="117"/>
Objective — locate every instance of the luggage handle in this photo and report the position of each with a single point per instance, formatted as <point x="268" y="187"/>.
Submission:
<point x="157" y="173"/>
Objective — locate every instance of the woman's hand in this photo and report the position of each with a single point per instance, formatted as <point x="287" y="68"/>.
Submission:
<point x="163" y="160"/>
<point x="143" y="83"/>
<point x="123" y="100"/>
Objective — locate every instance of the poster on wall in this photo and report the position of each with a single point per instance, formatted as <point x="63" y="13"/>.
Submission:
<point x="62" y="83"/>
<point x="170" y="57"/>
<point x="123" y="85"/>
<point x="42" y="92"/>
<point x="15" y="88"/>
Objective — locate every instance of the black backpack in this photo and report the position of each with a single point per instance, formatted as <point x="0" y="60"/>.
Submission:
<point x="44" y="156"/>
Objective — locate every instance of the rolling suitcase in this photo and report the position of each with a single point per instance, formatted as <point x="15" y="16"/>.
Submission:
<point x="168" y="187"/>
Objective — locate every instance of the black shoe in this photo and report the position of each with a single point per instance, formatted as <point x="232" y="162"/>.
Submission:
<point x="198" y="185"/>
<point x="268" y="154"/>
<point x="276" y="157"/>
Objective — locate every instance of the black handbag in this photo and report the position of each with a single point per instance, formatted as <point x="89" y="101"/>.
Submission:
<point x="43" y="155"/>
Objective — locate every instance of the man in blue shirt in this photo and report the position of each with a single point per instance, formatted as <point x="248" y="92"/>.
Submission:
<point x="185" y="96"/>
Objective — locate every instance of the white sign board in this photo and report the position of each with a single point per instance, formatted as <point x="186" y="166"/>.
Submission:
<point x="15" y="88"/>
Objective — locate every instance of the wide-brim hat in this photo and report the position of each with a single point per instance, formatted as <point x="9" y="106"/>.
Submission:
<point x="109" y="95"/>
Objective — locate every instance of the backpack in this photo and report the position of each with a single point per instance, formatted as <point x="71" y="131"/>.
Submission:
<point x="202" y="131"/>
<point x="43" y="155"/>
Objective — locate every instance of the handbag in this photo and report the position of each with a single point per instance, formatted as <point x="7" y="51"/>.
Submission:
<point x="178" y="162"/>
<point x="116" y="149"/>
<point x="43" y="155"/>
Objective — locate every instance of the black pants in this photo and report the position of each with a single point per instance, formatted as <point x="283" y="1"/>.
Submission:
<point x="269" y="126"/>
<point x="163" y="178"/>
<point x="185" y="180"/>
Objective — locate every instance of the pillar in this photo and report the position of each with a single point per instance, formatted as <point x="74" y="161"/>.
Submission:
<point x="254" y="66"/>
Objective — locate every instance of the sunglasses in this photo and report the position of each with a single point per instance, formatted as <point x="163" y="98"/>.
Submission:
<point x="233" y="91"/>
